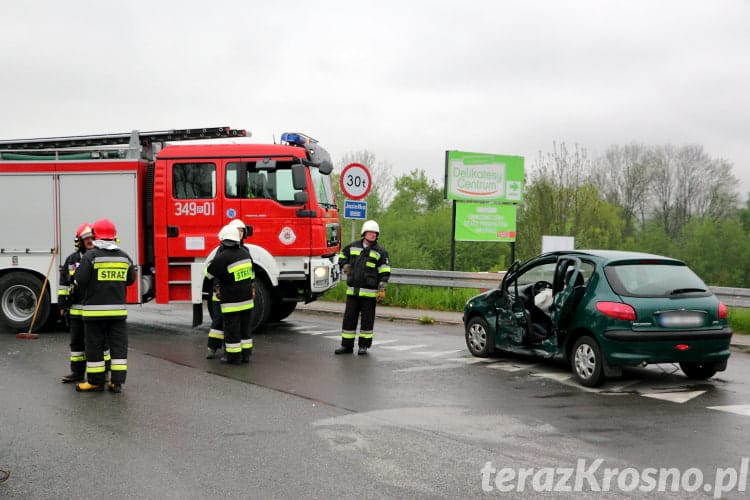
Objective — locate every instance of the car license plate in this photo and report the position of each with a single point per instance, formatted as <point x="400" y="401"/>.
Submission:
<point x="681" y="319"/>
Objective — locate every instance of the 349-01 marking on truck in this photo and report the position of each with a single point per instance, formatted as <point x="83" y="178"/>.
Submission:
<point x="194" y="208"/>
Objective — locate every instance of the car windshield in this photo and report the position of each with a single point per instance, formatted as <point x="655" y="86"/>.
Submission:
<point x="654" y="280"/>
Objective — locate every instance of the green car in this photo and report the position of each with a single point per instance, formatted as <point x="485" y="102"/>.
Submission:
<point x="601" y="310"/>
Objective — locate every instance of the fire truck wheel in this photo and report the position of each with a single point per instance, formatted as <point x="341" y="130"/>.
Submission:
<point x="18" y="293"/>
<point x="282" y="310"/>
<point x="262" y="305"/>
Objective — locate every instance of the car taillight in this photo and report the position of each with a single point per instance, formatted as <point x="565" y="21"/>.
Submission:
<point x="616" y="310"/>
<point x="682" y="347"/>
<point x="722" y="310"/>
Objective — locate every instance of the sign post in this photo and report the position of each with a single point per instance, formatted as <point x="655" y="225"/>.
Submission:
<point x="355" y="182"/>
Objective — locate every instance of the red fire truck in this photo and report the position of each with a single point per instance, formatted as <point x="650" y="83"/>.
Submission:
<point x="168" y="199"/>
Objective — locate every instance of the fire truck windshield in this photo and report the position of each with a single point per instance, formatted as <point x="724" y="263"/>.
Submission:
<point x="323" y="188"/>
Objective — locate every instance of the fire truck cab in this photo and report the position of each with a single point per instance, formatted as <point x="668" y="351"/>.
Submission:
<point x="168" y="199"/>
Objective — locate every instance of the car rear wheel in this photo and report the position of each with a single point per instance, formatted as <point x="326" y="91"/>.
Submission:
<point x="478" y="338"/>
<point x="587" y="362"/>
<point x="698" y="371"/>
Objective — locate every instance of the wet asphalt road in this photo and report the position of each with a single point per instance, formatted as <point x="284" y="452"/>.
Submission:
<point x="417" y="418"/>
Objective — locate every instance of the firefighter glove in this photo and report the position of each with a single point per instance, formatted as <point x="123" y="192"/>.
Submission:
<point x="346" y="268"/>
<point x="381" y="295"/>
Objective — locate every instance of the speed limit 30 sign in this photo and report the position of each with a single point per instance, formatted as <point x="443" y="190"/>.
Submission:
<point x="355" y="181"/>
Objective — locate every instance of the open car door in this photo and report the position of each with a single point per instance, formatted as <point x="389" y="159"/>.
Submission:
<point x="568" y="289"/>
<point x="511" y="320"/>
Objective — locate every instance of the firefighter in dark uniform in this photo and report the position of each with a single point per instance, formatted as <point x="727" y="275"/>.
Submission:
<point x="103" y="276"/>
<point x="233" y="269"/>
<point x="216" y="331"/>
<point x="69" y="301"/>
<point x="367" y="267"/>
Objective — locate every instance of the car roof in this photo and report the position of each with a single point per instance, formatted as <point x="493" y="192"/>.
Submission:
<point x="609" y="256"/>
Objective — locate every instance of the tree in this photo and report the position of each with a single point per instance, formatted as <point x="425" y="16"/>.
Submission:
<point x="719" y="252"/>
<point x="688" y="183"/>
<point x="560" y="201"/>
<point x="623" y="176"/>
<point x="416" y="194"/>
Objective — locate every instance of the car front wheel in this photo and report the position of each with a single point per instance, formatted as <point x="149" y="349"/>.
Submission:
<point x="698" y="371"/>
<point x="587" y="362"/>
<point x="478" y="338"/>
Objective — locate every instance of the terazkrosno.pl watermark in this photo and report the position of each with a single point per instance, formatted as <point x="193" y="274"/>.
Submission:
<point x="591" y="476"/>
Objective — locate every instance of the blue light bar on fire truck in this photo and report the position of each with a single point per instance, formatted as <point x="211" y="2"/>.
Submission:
<point x="297" y="139"/>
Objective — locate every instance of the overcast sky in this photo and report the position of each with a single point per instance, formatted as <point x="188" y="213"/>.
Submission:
<point x="405" y="80"/>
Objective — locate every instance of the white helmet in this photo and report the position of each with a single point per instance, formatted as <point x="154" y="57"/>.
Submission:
<point x="370" y="225"/>
<point x="241" y="227"/>
<point x="229" y="235"/>
<point x="237" y="223"/>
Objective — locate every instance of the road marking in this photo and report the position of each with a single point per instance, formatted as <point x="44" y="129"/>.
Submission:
<point x="435" y="354"/>
<point x="318" y="332"/>
<point x="333" y="337"/>
<point x="381" y="342"/>
<point x="473" y="361"/>
<point x="674" y="397"/>
<point x="621" y="387"/>
<point x="738" y="409"/>
<point x="445" y="366"/>
<point x="403" y="347"/>
<point x="509" y="367"/>
<point x="558" y="377"/>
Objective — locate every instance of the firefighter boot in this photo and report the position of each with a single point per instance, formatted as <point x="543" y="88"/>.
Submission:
<point x="116" y="388"/>
<point x="211" y="354"/>
<point x="344" y="350"/>
<point x="86" y="387"/>
<point x="362" y="350"/>
<point x="246" y="353"/>
<point x="72" y="377"/>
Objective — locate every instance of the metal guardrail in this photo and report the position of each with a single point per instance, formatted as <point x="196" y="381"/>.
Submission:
<point x="735" y="297"/>
<point x="448" y="279"/>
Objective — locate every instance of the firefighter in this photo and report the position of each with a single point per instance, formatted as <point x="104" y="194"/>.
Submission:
<point x="367" y="267"/>
<point x="103" y="276"/>
<point x="216" y="331"/>
<point x="233" y="269"/>
<point x="69" y="301"/>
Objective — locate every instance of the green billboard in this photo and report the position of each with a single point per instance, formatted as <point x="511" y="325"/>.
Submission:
<point x="483" y="177"/>
<point x="485" y="222"/>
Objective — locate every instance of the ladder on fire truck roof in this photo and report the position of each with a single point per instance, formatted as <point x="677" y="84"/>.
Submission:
<point x="131" y="145"/>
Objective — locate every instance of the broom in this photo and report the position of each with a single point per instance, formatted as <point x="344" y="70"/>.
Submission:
<point x="30" y="334"/>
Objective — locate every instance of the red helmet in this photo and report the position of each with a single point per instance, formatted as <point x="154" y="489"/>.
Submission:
<point x="104" y="229"/>
<point x="84" y="231"/>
